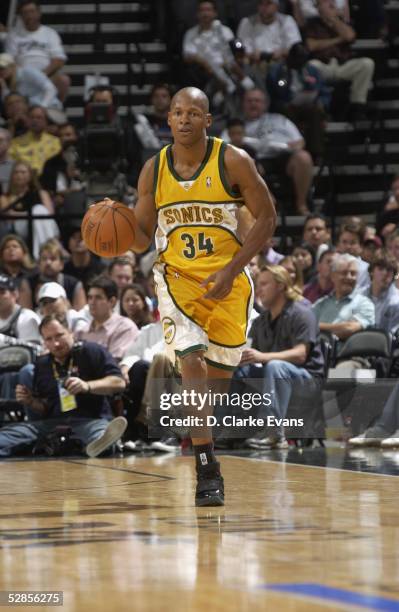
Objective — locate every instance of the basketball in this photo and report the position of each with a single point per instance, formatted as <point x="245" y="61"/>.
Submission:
<point x="108" y="228"/>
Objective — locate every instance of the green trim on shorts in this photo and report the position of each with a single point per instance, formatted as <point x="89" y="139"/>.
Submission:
<point x="221" y="366"/>
<point x="191" y="349"/>
<point x="163" y="274"/>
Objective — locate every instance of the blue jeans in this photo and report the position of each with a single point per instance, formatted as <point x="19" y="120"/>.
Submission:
<point x="389" y="418"/>
<point x="19" y="435"/>
<point x="280" y="378"/>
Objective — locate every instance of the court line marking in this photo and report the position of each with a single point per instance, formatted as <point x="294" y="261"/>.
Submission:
<point x="317" y="467"/>
<point x="334" y="595"/>
<point x="123" y="484"/>
<point x="108" y="467"/>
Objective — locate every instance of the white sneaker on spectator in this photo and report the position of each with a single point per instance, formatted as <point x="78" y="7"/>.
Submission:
<point x="392" y="441"/>
<point x="269" y="442"/>
<point x="170" y="444"/>
<point x="135" y="446"/>
<point x="115" y="429"/>
<point x="373" y="436"/>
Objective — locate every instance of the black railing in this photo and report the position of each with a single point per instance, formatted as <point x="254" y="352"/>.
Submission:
<point x="61" y="220"/>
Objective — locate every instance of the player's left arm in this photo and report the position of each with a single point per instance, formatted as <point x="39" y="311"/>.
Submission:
<point x="242" y="173"/>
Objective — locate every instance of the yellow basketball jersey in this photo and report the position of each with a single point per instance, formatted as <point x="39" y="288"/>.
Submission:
<point x="197" y="218"/>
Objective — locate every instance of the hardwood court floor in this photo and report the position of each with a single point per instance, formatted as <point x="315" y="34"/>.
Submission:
<point x="123" y="534"/>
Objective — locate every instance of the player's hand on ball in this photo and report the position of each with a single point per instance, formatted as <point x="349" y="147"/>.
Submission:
<point x="221" y="284"/>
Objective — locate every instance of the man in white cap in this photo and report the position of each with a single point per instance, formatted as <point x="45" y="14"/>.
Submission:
<point x="52" y="299"/>
<point x="28" y="81"/>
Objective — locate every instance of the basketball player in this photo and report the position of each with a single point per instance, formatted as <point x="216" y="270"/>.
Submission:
<point x="191" y="192"/>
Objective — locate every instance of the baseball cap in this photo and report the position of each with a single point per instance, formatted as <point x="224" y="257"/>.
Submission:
<point x="6" y="60"/>
<point x="374" y="239"/>
<point x="6" y="282"/>
<point x="52" y="291"/>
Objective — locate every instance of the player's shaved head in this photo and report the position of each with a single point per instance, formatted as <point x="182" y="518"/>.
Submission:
<point x="194" y="95"/>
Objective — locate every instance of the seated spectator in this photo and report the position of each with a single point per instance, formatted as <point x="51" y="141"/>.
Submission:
<point x="36" y="146"/>
<point x="279" y="146"/>
<point x="329" y="39"/>
<point x="268" y="35"/>
<point x="207" y="53"/>
<point x="160" y="99"/>
<point x="297" y="90"/>
<point x="290" y="264"/>
<point x="393" y="201"/>
<point x="285" y="340"/>
<point x="82" y="264"/>
<point x="385" y="431"/>
<point x="18" y="325"/>
<point x="25" y="196"/>
<point x="321" y="285"/>
<point x="61" y="174"/>
<point x="392" y="246"/>
<point x="134" y="305"/>
<point x="16" y="112"/>
<point x="52" y="299"/>
<point x="371" y="246"/>
<point x="6" y="163"/>
<point x="307" y="9"/>
<point x="51" y="265"/>
<point x="111" y="330"/>
<point x="27" y="81"/>
<point x="316" y="233"/>
<point x="382" y="291"/>
<point x="350" y="240"/>
<point x="305" y="257"/>
<point x="16" y="262"/>
<point x="150" y="131"/>
<point x="145" y="351"/>
<point x="36" y="45"/>
<point x="236" y="133"/>
<point x="69" y="388"/>
<point x="345" y="311"/>
<point x="122" y="271"/>
<point x="271" y="256"/>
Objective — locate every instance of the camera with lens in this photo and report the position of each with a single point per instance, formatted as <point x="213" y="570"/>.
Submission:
<point x="103" y="144"/>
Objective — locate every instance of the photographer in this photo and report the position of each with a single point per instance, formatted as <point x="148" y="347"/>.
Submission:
<point x="70" y="386"/>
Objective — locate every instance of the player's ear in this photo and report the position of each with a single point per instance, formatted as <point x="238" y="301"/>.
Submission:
<point x="169" y="118"/>
<point x="208" y="120"/>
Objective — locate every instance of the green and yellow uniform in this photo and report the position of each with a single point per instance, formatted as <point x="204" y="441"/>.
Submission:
<point x="196" y="236"/>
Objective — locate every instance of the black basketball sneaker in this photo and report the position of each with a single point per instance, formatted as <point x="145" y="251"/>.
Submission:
<point x="210" y="485"/>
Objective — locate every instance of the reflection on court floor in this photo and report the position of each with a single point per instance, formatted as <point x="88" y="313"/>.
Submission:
<point x="123" y="533"/>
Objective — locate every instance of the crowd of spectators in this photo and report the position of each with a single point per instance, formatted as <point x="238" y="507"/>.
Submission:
<point x="270" y="86"/>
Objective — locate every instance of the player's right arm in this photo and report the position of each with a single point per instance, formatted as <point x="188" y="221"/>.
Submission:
<point x="145" y="211"/>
